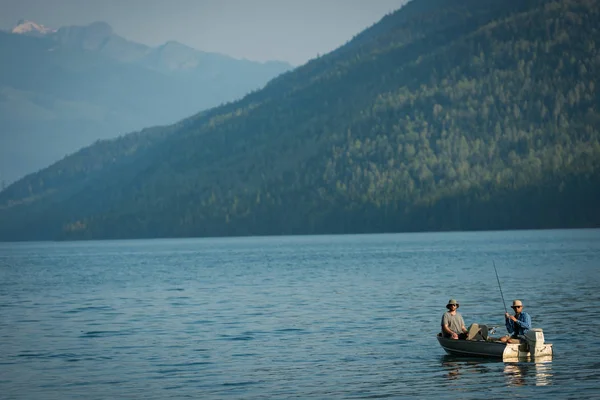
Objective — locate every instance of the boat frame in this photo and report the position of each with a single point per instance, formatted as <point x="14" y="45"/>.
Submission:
<point x="532" y="346"/>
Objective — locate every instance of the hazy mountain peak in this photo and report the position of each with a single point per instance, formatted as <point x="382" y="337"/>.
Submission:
<point x="175" y="56"/>
<point x="100" y="28"/>
<point x="25" y="27"/>
<point x="89" y="37"/>
<point x="175" y="44"/>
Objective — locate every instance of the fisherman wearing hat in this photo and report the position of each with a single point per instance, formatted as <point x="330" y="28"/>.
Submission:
<point x="517" y="324"/>
<point x="453" y="325"/>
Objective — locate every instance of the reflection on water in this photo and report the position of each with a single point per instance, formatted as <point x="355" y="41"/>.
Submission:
<point x="534" y="373"/>
<point x="537" y="373"/>
<point x="457" y="367"/>
<point x="452" y="369"/>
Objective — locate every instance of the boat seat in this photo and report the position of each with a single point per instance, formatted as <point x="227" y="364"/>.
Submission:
<point x="477" y="332"/>
<point x="483" y="329"/>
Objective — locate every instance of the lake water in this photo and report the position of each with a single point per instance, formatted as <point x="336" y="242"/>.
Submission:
<point x="325" y="317"/>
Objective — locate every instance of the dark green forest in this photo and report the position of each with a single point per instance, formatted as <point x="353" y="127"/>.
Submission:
<point x="445" y="115"/>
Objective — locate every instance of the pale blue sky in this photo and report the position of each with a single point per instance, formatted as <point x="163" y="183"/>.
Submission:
<point x="287" y="30"/>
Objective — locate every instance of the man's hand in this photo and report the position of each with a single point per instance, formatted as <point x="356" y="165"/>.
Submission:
<point x="454" y="335"/>
<point x="511" y="317"/>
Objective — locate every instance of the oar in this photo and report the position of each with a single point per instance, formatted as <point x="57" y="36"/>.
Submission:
<point x="500" y="287"/>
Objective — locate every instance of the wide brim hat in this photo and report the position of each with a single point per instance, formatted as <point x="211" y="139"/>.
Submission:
<point x="516" y="303"/>
<point x="452" y="301"/>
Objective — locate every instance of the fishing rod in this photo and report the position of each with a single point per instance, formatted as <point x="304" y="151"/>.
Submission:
<point x="500" y="287"/>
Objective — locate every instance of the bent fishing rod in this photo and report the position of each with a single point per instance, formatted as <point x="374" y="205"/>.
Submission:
<point x="500" y="287"/>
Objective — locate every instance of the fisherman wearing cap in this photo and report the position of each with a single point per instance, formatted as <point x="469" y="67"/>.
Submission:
<point x="517" y="324"/>
<point x="453" y="325"/>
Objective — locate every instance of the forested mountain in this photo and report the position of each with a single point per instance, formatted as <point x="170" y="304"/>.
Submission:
<point x="62" y="90"/>
<point x="445" y="115"/>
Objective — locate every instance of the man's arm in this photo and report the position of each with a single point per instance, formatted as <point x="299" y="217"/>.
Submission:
<point x="449" y="331"/>
<point x="462" y="325"/>
<point x="446" y="329"/>
<point x="509" y="324"/>
<point x="524" y="321"/>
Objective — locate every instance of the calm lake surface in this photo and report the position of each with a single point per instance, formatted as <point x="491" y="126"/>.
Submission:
<point x="293" y="317"/>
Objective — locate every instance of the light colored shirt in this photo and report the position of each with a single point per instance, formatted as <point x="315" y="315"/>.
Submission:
<point x="455" y="322"/>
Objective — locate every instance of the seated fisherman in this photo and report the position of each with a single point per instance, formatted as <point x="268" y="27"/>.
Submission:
<point x="517" y="324"/>
<point x="453" y="325"/>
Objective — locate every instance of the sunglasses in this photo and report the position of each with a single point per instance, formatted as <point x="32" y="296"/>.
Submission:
<point x="517" y="306"/>
<point x="453" y="305"/>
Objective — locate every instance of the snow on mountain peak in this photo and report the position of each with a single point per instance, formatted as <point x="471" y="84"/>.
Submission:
<point x="25" y="27"/>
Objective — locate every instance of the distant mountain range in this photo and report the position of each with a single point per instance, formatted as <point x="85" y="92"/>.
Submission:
<point x="63" y="89"/>
<point x="445" y="115"/>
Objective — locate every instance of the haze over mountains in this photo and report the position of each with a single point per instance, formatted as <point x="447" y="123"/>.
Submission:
<point x="445" y="115"/>
<point x="63" y="89"/>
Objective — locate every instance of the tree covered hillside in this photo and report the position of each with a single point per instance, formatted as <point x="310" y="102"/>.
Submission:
<point x="445" y="115"/>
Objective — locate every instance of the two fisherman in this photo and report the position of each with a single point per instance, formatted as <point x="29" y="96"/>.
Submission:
<point x="453" y="324"/>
